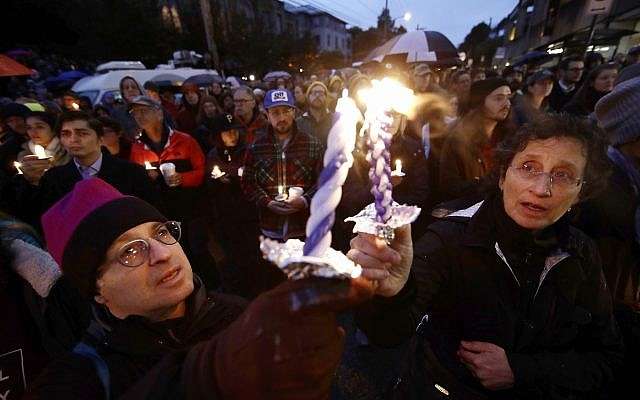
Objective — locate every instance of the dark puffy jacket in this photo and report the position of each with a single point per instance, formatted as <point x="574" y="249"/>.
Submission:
<point x="145" y="360"/>
<point x="548" y="307"/>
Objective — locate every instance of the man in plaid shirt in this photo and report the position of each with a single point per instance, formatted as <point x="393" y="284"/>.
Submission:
<point x="282" y="157"/>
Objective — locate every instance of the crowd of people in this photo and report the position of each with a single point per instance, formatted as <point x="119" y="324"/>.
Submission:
<point x="130" y="253"/>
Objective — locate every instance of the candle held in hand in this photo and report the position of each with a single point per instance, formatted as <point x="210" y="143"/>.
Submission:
<point x="39" y="150"/>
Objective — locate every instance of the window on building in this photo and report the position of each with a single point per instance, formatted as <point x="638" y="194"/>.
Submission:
<point x="530" y="9"/>
<point x="328" y="41"/>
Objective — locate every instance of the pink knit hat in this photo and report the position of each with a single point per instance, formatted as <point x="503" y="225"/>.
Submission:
<point x="80" y="228"/>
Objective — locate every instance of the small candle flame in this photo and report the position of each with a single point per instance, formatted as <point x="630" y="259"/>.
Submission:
<point x="148" y="165"/>
<point x="39" y="150"/>
<point x="17" y="165"/>
<point x="216" y="172"/>
<point x="280" y="189"/>
<point x="75" y="106"/>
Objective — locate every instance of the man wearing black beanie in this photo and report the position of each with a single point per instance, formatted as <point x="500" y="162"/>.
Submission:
<point x="466" y="155"/>
<point x="157" y="333"/>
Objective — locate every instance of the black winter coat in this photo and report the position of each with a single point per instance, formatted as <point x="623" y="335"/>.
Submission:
<point x="145" y="360"/>
<point x="129" y="178"/>
<point x="549" y="309"/>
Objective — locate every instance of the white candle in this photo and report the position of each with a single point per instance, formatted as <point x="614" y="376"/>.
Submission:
<point x="240" y="172"/>
<point x="39" y="150"/>
<point x="282" y="196"/>
<point x="337" y="160"/>
<point x="75" y="106"/>
<point x="17" y="165"/>
<point x="148" y="165"/>
<point x="399" y="166"/>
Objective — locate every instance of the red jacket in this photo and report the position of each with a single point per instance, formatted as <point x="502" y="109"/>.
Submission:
<point x="182" y="150"/>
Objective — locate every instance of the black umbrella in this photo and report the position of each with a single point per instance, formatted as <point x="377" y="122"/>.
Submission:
<point x="204" y="79"/>
<point x="418" y="46"/>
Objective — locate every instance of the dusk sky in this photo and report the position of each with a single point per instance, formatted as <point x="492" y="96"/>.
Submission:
<point x="454" y="18"/>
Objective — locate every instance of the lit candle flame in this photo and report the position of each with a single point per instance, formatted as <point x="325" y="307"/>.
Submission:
<point x="148" y="165"/>
<point x="388" y="94"/>
<point x="17" y="165"/>
<point x="39" y="150"/>
<point x="216" y="172"/>
<point x="280" y="189"/>
<point x="75" y="106"/>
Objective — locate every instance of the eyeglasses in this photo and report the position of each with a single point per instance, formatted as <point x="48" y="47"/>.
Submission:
<point x="562" y="180"/>
<point x="136" y="252"/>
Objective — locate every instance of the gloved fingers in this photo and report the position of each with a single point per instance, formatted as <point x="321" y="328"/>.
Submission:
<point x="321" y="294"/>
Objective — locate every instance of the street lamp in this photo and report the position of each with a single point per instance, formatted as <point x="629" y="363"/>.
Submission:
<point x="406" y="17"/>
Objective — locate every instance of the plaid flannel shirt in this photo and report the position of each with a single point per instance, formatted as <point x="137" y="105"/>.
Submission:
<point x="269" y="167"/>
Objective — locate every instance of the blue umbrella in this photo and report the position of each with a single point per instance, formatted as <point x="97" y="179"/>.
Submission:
<point x="72" y="75"/>
<point x="54" y="83"/>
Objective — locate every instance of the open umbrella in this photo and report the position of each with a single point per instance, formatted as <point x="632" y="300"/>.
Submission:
<point x="10" y="67"/>
<point x="15" y="53"/>
<point x="72" y="75"/>
<point x="204" y="79"/>
<point x="418" y="46"/>
<point x="274" y="75"/>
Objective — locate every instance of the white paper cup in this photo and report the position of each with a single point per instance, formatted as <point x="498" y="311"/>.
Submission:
<point x="295" y="191"/>
<point x="167" y="169"/>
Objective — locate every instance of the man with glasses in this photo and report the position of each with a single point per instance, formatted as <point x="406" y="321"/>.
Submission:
<point x="157" y="333"/>
<point x="316" y="121"/>
<point x="247" y="112"/>
<point x="282" y="157"/>
<point x="571" y="70"/>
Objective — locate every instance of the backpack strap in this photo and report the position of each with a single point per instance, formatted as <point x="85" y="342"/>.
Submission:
<point x="90" y="352"/>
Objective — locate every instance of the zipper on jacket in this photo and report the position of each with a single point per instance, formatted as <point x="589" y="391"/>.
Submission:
<point x="503" y="258"/>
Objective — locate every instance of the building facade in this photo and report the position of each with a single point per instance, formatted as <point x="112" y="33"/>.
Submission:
<point x="567" y="26"/>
